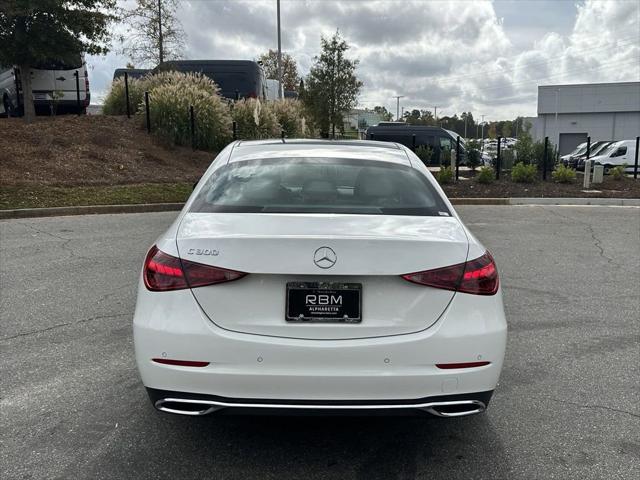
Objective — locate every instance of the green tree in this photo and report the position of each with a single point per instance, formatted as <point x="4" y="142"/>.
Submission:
<point x="331" y="88"/>
<point x="524" y="148"/>
<point x="290" y="77"/>
<point x="386" y="115"/>
<point x="506" y="129"/>
<point x="473" y="154"/>
<point x="37" y="31"/>
<point x="492" y="131"/>
<point x="154" y="33"/>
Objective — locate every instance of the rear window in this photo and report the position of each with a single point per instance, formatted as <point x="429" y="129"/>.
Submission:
<point x="72" y="63"/>
<point x="319" y="185"/>
<point x="229" y="82"/>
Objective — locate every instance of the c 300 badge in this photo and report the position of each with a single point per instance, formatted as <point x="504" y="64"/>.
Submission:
<point x="203" y="251"/>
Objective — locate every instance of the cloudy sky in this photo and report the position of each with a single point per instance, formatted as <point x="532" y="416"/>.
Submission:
<point x="484" y="57"/>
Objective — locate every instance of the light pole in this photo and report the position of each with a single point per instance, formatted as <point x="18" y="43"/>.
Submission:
<point x="280" y="92"/>
<point x="398" y="97"/>
<point x="435" y="113"/>
<point x="160" y="46"/>
<point x="557" y="131"/>
<point x="482" y="123"/>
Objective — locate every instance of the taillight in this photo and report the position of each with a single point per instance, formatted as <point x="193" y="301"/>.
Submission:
<point x="164" y="272"/>
<point x="479" y="277"/>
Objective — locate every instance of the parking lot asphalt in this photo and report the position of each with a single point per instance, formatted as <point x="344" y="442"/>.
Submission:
<point x="568" y="403"/>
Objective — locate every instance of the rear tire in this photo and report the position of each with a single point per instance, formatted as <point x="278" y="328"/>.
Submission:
<point x="607" y="169"/>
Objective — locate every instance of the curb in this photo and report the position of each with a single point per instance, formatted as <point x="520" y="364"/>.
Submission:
<point x="173" y="207"/>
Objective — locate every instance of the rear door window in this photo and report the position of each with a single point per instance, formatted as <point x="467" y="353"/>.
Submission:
<point x="319" y="185"/>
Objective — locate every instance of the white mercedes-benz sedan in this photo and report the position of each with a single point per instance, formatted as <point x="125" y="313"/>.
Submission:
<point x="319" y="276"/>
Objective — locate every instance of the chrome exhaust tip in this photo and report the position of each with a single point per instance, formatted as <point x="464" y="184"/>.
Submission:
<point x="459" y="408"/>
<point x="185" y="406"/>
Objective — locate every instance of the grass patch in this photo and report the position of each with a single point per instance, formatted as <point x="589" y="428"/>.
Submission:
<point x="12" y="197"/>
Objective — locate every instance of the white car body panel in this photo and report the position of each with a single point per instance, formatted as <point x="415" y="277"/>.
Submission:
<point x="240" y="329"/>
<point x="611" y="159"/>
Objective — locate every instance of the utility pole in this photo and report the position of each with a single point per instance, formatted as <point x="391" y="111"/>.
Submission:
<point x="160" y="46"/>
<point x="557" y="131"/>
<point x="398" y="97"/>
<point x="402" y="112"/>
<point x="435" y="113"/>
<point x="280" y="88"/>
<point x="482" y="123"/>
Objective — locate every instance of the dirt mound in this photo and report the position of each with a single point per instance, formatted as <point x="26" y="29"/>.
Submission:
<point x="91" y="150"/>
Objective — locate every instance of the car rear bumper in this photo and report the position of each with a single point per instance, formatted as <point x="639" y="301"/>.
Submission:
<point x="247" y="366"/>
<point x="192" y="404"/>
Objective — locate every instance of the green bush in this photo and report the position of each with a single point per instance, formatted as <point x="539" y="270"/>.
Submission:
<point x="486" y="175"/>
<point x="169" y="110"/>
<point x="522" y="173"/>
<point x="563" y="174"/>
<point x="473" y="154"/>
<point x="445" y="175"/>
<point x="255" y="120"/>
<point x="424" y="153"/>
<point x="618" y="172"/>
<point x="507" y="158"/>
<point x="115" y="102"/>
<point x="289" y="114"/>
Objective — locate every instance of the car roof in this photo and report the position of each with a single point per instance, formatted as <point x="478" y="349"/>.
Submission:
<point x="314" y="148"/>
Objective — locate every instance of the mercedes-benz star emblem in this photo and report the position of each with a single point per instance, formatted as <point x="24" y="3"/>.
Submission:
<point x="324" y="257"/>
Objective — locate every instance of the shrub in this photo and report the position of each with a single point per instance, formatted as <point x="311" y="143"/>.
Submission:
<point x="506" y="159"/>
<point x="473" y="154"/>
<point x="522" y="173"/>
<point x="445" y="175"/>
<point x="486" y="175"/>
<point x="255" y="119"/>
<point x="289" y="114"/>
<point x="169" y="110"/>
<point x="115" y="102"/>
<point x="424" y="153"/>
<point x="563" y="174"/>
<point x="618" y="172"/>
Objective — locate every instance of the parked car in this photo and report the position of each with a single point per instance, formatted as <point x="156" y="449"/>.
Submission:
<point x="438" y="139"/>
<point x="581" y="148"/>
<point x="53" y="84"/>
<point x="577" y="162"/>
<point x="316" y="276"/>
<point x="236" y="78"/>
<point x="617" y="153"/>
<point x="132" y="72"/>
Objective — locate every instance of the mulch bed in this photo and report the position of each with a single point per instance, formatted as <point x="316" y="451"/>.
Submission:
<point x="73" y="150"/>
<point x="468" y="187"/>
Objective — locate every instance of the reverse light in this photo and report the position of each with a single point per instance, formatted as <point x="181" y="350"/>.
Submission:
<point x="478" y="276"/>
<point x="164" y="272"/>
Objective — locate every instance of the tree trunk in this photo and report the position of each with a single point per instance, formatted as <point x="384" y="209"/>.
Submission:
<point x="27" y="94"/>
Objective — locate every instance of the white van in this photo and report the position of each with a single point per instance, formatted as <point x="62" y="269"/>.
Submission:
<point x="618" y="153"/>
<point x="53" y="84"/>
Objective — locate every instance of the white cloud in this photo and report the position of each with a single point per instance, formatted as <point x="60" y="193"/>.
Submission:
<point x="458" y="55"/>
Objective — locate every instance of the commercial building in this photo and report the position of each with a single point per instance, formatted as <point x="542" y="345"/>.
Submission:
<point x="568" y="114"/>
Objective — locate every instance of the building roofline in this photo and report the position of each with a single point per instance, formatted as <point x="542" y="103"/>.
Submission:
<point x="588" y="84"/>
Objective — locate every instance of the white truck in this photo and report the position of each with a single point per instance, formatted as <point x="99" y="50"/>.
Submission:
<point x="53" y="84"/>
